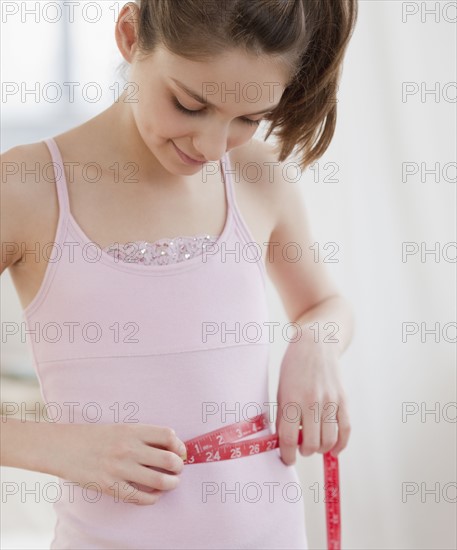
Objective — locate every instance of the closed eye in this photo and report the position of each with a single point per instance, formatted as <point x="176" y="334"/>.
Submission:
<point x="182" y="109"/>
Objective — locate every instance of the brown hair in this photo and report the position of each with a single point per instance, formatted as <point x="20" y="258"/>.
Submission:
<point x="311" y="36"/>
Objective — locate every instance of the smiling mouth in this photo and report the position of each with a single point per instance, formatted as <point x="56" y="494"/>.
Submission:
<point x="187" y="156"/>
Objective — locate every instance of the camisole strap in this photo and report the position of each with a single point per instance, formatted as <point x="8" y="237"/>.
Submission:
<point x="59" y="175"/>
<point x="228" y="182"/>
<point x="232" y="202"/>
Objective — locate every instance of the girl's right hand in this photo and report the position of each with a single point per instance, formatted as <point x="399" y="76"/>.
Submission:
<point x="132" y="463"/>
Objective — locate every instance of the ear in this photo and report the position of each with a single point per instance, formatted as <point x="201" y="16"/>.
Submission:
<point x="126" y="32"/>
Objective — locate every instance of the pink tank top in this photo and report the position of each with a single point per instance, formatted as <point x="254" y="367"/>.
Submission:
<point x="183" y="345"/>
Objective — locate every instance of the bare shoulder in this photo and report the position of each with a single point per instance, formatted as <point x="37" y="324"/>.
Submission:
<point x="275" y="184"/>
<point x="255" y="161"/>
<point x="27" y="189"/>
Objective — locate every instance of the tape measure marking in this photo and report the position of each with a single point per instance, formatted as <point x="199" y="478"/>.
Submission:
<point x="225" y="444"/>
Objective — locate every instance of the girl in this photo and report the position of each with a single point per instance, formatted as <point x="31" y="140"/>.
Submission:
<point x="159" y="268"/>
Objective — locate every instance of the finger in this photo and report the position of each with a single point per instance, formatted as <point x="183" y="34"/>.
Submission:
<point x="149" y="477"/>
<point x="163" y="437"/>
<point x="329" y="431"/>
<point x="161" y="460"/>
<point x="344" y="428"/>
<point x="311" y="422"/>
<point x="287" y="428"/>
<point x="130" y="492"/>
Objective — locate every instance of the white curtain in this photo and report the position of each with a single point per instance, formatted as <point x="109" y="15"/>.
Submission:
<point x="398" y="473"/>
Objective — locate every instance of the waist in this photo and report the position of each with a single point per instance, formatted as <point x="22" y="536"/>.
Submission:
<point x="192" y="392"/>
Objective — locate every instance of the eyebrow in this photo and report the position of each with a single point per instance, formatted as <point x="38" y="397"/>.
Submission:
<point x="200" y="99"/>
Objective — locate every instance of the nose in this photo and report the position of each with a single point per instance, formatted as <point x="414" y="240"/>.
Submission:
<point x="211" y="143"/>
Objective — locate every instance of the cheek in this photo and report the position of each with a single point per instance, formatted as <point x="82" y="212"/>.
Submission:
<point x="148" y="108"/>
<point x="158" y="119"/>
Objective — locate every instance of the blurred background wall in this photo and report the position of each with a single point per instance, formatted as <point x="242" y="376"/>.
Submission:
<point x="383" y="194"/>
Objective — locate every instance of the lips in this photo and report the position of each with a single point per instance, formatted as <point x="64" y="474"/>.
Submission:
<point x="192" y="158"/>
<point x="197" y="161"/>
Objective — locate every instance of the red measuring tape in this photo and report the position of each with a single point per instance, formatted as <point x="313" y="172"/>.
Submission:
<point x="224" y="444"/>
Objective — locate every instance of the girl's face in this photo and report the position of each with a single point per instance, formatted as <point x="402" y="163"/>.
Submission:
<point x="201" y="108"/>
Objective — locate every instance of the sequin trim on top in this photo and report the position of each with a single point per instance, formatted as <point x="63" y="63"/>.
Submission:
<point x="161" y="252"/>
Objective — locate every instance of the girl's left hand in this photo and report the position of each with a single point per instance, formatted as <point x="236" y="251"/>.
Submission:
<point x="310" y="394"/>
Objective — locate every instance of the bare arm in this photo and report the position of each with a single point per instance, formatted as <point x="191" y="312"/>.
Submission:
<point x="12" y="202"/>
<point x="310" y="375"/>
<point x="310" y="297"/>
<point x="29" y="445"/>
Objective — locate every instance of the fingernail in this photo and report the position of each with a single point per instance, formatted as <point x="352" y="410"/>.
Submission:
<point x="183" y="451"/>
